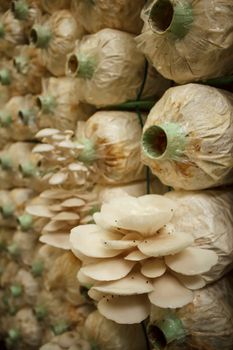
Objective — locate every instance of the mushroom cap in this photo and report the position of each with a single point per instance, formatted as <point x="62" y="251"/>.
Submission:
<point x="109" y="269"/>
<point x="56" y="240"/>
<point x="168" y="292"/>
<point x="153" y="268"/>
<point x="164" y="244"/>
<point x="90" y="240"/>
<point x="145" y="215"/>
<point x="125" y="310"/>
<point x="133" y="283"/>
<point x="192" y="261"/>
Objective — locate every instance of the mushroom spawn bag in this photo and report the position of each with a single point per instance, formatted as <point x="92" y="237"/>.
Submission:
<point x="116" y="14"/>
<point x="111" y="142"/>
<point x="56" y="37"/>
<point x="105" y="71"/>
<point x="59" y="104"/>
<point x="209" y="217"/>
<point x="189" y="40"/>
<point x="187" y="138"/>
<point x="18" y="119"/>
<point x="11" y="33"/>
<point x="204" y="324"/>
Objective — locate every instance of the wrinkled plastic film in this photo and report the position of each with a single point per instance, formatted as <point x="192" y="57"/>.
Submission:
<point x="182" y="40"/>
<point x="182" y="138"/>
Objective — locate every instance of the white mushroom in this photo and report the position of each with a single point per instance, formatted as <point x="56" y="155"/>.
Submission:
<point x="108" y="270"/>
<point x="192" y="261"/>
<point x="90" y="241"/>
<point x="132" y="284"/>
<point x="125" y="310"/>
<point x="56" y="240"/>
<point x="153" y="268"/>
<point x="165" y="244"/>
<point x="169" y="293"/>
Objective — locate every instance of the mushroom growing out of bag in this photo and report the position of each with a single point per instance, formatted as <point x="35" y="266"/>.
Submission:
<point x="55" y="37"/>
<point x="59" y="105"/>
<point x="108" y="335"/>
<point x="111" y="51"/>
<point x="11" y="33"/>
<point x="187" y="138"/>
<point x="204" y="324"/>
<point x="18" y="119"/>
<point x="106" y="149"/>
<point x="30" y="68"/>
<point x="145" y="251"/>
<point x="182" y="39"/>
<point x="99" y="14"/>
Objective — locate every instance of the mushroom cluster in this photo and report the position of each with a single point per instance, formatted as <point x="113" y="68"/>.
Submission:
<point x="132" y="258"/>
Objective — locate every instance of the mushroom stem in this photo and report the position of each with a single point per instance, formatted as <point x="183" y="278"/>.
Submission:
<point x="20" y="63"/>
<point x="46" y="104"/>
<point x="88" y="153"/>
<point x="165" y="331"/>
<point x="2" y="31"/>
<point x="164" y="142"/>
<point x="167" y="17"/>
<point x="25" y="221"/>
<point x="41" y="36"/>
<point x="5" y="76"/>
<point x="80" y="66"/>
<point x="20" y="9"/>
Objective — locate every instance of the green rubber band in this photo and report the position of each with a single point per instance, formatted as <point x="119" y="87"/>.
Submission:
<point x="20" y="9"/>
<point x="26" y="222"/>
<point x="165" y="331"/>
<point x="80" y="66"/>
<point x="41" y="36"/>
<point x="2" y="31"/>
<point x="16" y="290"/>
<point x="164" y="141"/>
<point x="5" y="77"/>
<point x="167" y="17"/>
<point x="88" y="153"/>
